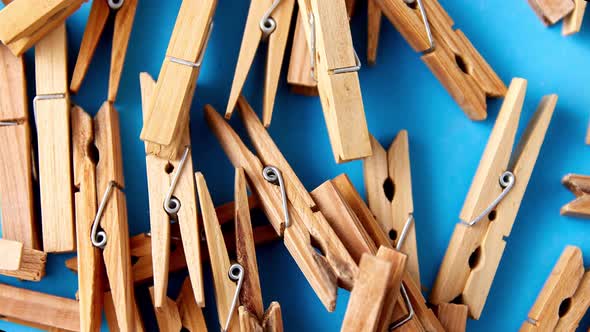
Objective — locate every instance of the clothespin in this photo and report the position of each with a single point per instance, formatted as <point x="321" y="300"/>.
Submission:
<point x="453" y="317"/>
<point x="182" y="314"/>
<point x="491" y="206"/>
<point x="172" y="199"/>
<point x="448" y="53"/>
<point x="169" y="108"/>
<point x="52" y="114"/>
<point x="99" y="14"/>
<point x="267" y="20"/>
<point x="111" y="315"/>
<point x="565" y="297"/>
<point x="388" y="183"/>
<point x="16" y="159"/>
<point x="288" y="206"/>
<point x="299" y="75"/>
<point x="109" y="230"/>
<point x="374" y="17"/>
<point x="552" y="11"/>
<point x="38" y="310"/>
<point x="20" y="262"/>
<point x="580" y="186"/>
<point x="335" y="65"/>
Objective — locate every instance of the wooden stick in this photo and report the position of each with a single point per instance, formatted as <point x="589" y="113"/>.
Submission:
<point x="299" y="74"/>
<point x="551" y="11"/>
<point x="573" y="22"/>
<point x="452" y="316"/>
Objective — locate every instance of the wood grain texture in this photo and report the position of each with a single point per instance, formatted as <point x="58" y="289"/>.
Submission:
<point x="551" y="11"/>
<point x="273" y="318"/>
<point x="122" y="31"/>
<point x="32" y="266"/>
<point x="111" y="316"/>
<point x="452" y="316"/>
<point x="12" y="254"/>
<point x="13" y="94"/>
<point x="392" y="293"/>
<point x="190" y="312"/>
<point x="167" y="314"/>
<point x="299" y="75"/>
<point x="579" y="185"/>
<point x="572" y="23"/>
<point x="374" y="18"/>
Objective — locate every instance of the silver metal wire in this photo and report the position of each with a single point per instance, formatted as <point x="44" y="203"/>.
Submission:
<point x="236" y="274"/>
<point x="99" y="238"/>
<point x="267" y="23"/>
<point x="116" y="4"/>
<point x="426" y="23"/>
<point x="172" y="204"/>
<point x="199" y="61"/>
<point x="507" y="181"/>
<point x="8" y="123"/>
<point x="411" y="313"/>
<point x="274" y="176"/>
<point x="405" y="231"/>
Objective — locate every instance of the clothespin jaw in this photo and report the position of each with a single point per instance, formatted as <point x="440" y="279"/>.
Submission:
<point x="172" y="198"/>
<point x="490" y="209"/>
<point x="170" y="103"/>
<point x="300" y="75"/>
<point x="564" y="299"/>
<point x="551" y="11"/>
<point x="579" y="185"/>
<point x="99" y="14"/>
<point x="266" y="21"/>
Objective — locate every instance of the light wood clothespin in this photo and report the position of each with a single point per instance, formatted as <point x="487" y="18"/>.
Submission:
<point x="267" y="20"/>
<point x="565" y="297"/>
<point x="448" y="53"/>
<point x="452" y="316"/>
<point x="182" y="314"/>
<point x="16" y="159"/>
<point x="374" y="17"/>
<point x="388" y="182"/>
<point x="169" y="108"/>
<point x="111" y="315"/>
<point x="23" y="23"/>
<point x="299" y="75"/>
<point x="99" y="14"/>
<point x="552" y="11"/>
<point x="21" y="262"/>
<point x="172" y="199"/>
<point x="579" y="185"/>
<point x="288" y="205"/>
<point x="38" y="310"/>
<point x="491" y="206"/>
<point x="52" y="115"/>
<point x="335" y="65"/>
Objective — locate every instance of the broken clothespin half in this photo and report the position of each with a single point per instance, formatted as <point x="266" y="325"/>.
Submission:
<point x="552" y="11"/>
<point x="579" y="185"/>
<point x="21" y="262"/>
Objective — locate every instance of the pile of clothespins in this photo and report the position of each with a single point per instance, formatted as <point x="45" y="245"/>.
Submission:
<point x="334" y="236"/>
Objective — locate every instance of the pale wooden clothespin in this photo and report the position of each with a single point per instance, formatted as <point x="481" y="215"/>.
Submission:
<point x="111" y="315"/>
<point x="453" y="317"/>
<point x="184" y="314"/>
<point x="565" y="297"/>
<point x="579" y="185"/>
<point x="374" y="18"/>
<point x="21" y="262"/>
<point x="172" y="199"/>
<point x="552" y="11"/>
<point x="169" y="108"/>
<point x="476" y="247"/>
<point x="299" y="75"/>
<point x="288" y="205"/>
<point x="99" y="14"/>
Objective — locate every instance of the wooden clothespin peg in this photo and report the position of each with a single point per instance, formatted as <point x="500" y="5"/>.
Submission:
<point x="565" y="297"/>
<point x="24" y="22"/>
<point x="38" y="310"/>
<point x="99" y="14"/>
<point x="287" y="204"/>
<point x="299" y="75"/>
<point x="20" y="262"/>
<point x="552" y="11"/>
<point x="573" y="22"/>
<point x="580" y="186"/>
<point x="491" y="206"/>
<point x="169" y="108"/>
<point x="52" y="114"/>
<point x="335" y="65"/>
<point x="172" y="199"/>
<point x="267" y="20"/>
<point x="452" y="316"/>
<point x="111" y="315"/>
<point x="16" y="178"/>
<point x="388" y="183"/>
<point x="374" y="17"/>
<point x="448" y="53"/>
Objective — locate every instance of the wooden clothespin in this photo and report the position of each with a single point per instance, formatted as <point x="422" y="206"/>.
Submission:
<point x="580" y="186"/>
<point x="267" y="20"/>
<point x="335" y="65"/>
<point x="111" y="315"/>
<point x="388" y="183"/>
<point x="99" y="14"/>
<point x="491" y="206"/>
<point x="169" y="108"/>
<point x="299" y="75"/>
<point x="453" y="317"/>
<point x="21" y="262"/>
<point x="552" y="11"/>
<point x="448" y="53"/>
<point x="565" y="297"/>
<point x="288" y="206"/>
<point x="52" y="114"/>
<point x="182" y="314"/>
<point x="38" y="310"/>
<point x="374" y="17"/>
<point x="16" y="159"/>
<point x="172" y="198"/>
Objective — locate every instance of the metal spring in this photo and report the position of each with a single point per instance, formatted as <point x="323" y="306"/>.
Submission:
<point x="507" y="181"/>
<point x="235" y="274"/>
<point x="267" y="23"/>
<point x="274" y="176"/>
<point x="116" y="4"/>
<point x="172" y="204"/>
<point x="99" y="238"/>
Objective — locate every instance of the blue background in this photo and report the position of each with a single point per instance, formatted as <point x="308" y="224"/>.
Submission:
<point x="399" y="93"/>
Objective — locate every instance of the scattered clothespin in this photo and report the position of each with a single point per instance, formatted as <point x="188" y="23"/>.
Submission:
<point x="169" y="108"/>
<point x="300" y="75"/>
<point x="573" y="22"/>
<point x="38" y="310"/>
<point x="21" y="262"/>
<point x="16" y="159"/>
<point x="452" y="316"/>
<point x="182" y="314"/>
<point x="288" y="205"/>
<point x="580" y="186"/>
<point x="335" y="65"/>
<point x="448" y="53"/>
<point x="565" y="297"/>
<point x="172" y="199"/>
<point x="111" y="315"/>
<point x="491" y="206"/>
<point x="24" y="22"/>
<point x="388" y="183"/>
<point x="552" y="11"/>
<point x="267" y="20"/>
<point x="99" y="14"/>
<point x="52" y="115"/>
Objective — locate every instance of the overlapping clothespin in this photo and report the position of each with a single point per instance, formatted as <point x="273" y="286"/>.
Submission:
<point x="52" y="117"/>
<point x="335" y="66"/>
<point x="552" y="11"/>
<point x="21" y="262"/>
<point x="491" y="206"/>
<point x="288" y="206"/>
<point x="184" y="314"/>
<point x="169" y="109"/>
<point x="565" y="297"/>
<point x="388" y="183"/>
<point x="103" y="230"/>
<point x="300" y="76"/>
<point x="268" y="20"/>
<point x="448" y="53"/>
<point x="23" y="23"/>
<point x="99" y="14"/>
<point x="579" y="185"/>
<point x="172" y="199"/>
<point x="16" y="158"/>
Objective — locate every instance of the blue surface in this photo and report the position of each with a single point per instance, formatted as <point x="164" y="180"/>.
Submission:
<point x="399" y="93"/>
